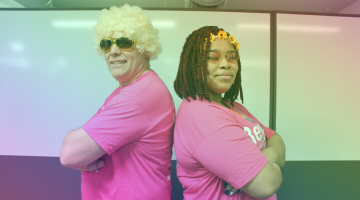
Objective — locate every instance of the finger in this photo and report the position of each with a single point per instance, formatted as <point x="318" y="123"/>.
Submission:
<point x="228" y="189"/>
<point x="92" y="166"/>
<point x="231" y="192"/>
<point x="100" y="163"/>
<point x="83" y="169"/>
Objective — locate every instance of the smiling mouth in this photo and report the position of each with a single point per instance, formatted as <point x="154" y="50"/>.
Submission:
<point x="224" y="77"/>
<point x="118" y="62"/>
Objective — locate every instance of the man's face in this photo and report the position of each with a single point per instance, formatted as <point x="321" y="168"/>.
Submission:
<point x="125" y="65"/>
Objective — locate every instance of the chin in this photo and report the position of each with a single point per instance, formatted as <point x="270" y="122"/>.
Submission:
<point x="219" y="88"/>
<point x="116" y="75"/>
<point x="222" y="90"/>
<point x="225" y="88"/>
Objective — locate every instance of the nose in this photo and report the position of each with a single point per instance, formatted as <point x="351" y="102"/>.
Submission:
<point x="115" y="51"/>
<point x="225" y="67"/>
<point x="224" y="63"/>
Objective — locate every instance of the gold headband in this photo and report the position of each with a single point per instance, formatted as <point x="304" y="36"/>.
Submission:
<point x="223" y="35"/>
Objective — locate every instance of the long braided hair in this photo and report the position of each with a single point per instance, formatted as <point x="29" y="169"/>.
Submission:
<point x="191" y="77"/>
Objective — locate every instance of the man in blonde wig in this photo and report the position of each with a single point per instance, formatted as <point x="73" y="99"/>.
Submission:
<point x="124" y="150"/>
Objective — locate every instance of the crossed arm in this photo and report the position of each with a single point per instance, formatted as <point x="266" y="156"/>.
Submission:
<point x="80" y="151"/>
<point x="275" y="153"/>
<point x="269" y="179"/>
<point x="275" y="150"/>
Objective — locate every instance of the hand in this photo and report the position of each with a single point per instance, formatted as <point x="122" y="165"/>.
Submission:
<point x="230" y="190"/>
<point x="94" y="166"/>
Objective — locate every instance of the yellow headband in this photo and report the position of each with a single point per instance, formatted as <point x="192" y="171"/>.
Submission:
<point x="223" y="35"/>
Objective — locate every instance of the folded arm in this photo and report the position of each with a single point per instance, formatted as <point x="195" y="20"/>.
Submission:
<point x="275" y="150"/>
<point x="213" y="154"/>
<point x="269" y="179"/>
<point x="79" y="150"/>
<point x="265" y="183"/>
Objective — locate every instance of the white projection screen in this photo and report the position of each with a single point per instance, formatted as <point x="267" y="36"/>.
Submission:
<point x="318" y="86"/>
<point x="52" y="81"/>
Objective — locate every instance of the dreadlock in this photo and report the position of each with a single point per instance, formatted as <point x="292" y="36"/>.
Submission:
<point x="191" y="78"/>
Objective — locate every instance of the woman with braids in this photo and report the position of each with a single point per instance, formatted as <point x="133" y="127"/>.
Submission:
<point x="223" y="151"/>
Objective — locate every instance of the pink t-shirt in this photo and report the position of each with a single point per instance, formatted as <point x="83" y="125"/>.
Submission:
<point x="134" y="127"/>
<point x="214" y="144"/>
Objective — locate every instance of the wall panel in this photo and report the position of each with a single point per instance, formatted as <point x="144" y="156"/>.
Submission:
<point x="318" y="86"/>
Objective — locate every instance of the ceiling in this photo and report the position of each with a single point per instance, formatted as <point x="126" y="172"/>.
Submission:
<point x="319" y="6"/>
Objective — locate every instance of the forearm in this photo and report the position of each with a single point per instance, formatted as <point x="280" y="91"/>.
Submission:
<point x="68" y="156"/>
<point x="79" y="150"/>
<point x="94" y="166"/>
<point x="275" y="150"/>
<point x="265" y="183"/>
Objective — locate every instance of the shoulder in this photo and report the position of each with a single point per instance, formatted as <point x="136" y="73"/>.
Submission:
<point x="148" y="84"/>
<point x="148" y="88"/>
<point x="238" y="107"/>
<point x="141" y="83"/>
<point x="196" y="107"/>
<point x="203" y="114"/>
<point x="123" y="103"/>
<point x="150" y="77"/>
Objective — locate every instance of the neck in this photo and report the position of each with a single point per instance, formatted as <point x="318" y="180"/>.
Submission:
<point x="215" y="97"/>
<point x="134" y="79"/>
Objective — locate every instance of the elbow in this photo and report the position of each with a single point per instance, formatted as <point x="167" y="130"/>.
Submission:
<point x="271" y="188"/>
<point x="66" y="161"/>
<point x="283" y="160"/>
<point x="282" y="163"/>
<point x="268" y="189"/>
<point x="273" y="184"/>
<point x="63" y="159"/>
<point x="266" y="183"/>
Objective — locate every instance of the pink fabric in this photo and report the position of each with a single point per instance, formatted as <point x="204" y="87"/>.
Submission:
<point x="214" y="144"/>
<point x="134" y="127"/>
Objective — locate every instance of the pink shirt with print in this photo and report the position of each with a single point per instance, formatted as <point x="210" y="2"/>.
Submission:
<point x="134" y="127"/>
<point x="213" y="144"/>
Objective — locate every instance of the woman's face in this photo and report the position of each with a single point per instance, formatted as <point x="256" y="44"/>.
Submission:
<point x="124" y="66"/>
<point x="220" y="76"/>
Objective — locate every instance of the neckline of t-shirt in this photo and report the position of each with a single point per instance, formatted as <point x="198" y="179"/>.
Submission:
<point x="117" y="90"/>
<point x="233" y="108"/>
<point x="138" y="78"/>
<point x="229" y="109"/>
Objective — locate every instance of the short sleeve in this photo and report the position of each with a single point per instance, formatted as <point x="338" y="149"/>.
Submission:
<point x="227" y="151"/>
<point x="122" y="121"/>
<point x="267" y="131"/>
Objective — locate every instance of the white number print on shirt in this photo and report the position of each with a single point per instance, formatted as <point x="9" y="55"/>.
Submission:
<point x="257" y="135"/>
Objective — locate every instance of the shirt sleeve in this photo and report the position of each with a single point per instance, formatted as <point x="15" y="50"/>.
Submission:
<point x="122" y="121"/>
<point x="228" y="151"/>
<point x="268" y="131"/>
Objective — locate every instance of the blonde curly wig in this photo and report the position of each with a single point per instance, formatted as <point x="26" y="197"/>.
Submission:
<point x="131" y="22"/>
